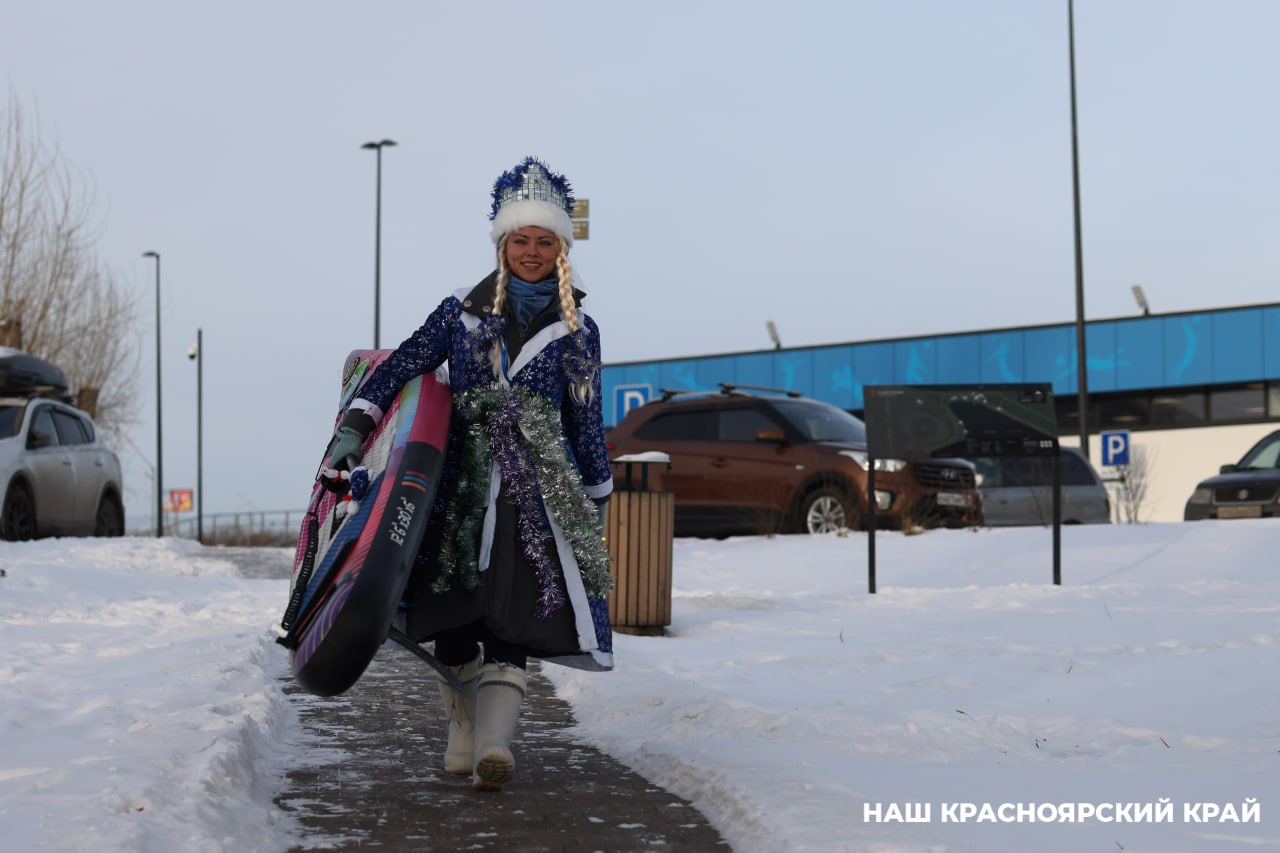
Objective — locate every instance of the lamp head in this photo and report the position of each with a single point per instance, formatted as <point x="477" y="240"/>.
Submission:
<point x="773" y="334"/>
<point x="1141" y="299"/>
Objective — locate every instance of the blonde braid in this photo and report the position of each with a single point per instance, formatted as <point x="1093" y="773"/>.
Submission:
<point x="568" y="310"/>
<point x="582" y="391"/>
<point x="499" y="300"/>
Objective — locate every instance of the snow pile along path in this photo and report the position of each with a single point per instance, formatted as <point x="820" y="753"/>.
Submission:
<point x="142" y="698"/>
<point x="799" y="712"/>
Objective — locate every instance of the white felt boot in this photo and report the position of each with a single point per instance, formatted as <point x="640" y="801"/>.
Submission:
<point x="498" y="698"/>
<point x="460" y="710"/>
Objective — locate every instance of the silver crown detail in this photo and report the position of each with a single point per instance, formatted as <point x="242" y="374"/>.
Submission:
<point x="531" y="181"/>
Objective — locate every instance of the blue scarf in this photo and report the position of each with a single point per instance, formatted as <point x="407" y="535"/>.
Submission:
<point x="529" y="300"/>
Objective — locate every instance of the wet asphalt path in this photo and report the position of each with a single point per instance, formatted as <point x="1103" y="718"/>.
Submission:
<point x="378" y="781"/>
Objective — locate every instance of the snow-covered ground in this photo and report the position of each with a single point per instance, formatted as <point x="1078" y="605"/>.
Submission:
<point x="969" y="705"/>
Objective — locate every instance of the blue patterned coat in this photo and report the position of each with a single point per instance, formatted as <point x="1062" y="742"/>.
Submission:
<point x="460" y="331"/>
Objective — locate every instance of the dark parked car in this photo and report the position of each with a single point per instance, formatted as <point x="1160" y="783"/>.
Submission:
<point x="1248" y="489"/>
<point x="1018" y="490"/>
<point x="744" y="463"/>
<point x="57" y="478"/>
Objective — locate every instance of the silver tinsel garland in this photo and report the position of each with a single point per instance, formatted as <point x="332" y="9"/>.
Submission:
<point x="564" y="494"/>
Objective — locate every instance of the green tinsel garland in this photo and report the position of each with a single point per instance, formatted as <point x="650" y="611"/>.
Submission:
<point x="559" y="485"/>
<point x="464" y="515"/>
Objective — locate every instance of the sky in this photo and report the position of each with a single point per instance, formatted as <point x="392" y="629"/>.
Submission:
<point x="849" y="170"/>
<point x="794" y="709"/>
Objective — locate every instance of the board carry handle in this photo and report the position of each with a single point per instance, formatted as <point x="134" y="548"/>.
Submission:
<point x="303" y="579"/>
<point x="401" y="638"/>
<point x="293" y="631"/>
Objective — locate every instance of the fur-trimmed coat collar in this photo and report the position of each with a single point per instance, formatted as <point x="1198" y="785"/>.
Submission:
<point x="479" y="300"/>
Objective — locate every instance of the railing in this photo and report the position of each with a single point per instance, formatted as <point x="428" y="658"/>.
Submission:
<point x="251" y="527"/>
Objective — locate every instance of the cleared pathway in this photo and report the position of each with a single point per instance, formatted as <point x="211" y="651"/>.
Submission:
<point x="386" y="789"/>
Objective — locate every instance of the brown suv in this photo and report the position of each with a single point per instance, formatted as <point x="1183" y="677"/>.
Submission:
<point x="744" y="463"/>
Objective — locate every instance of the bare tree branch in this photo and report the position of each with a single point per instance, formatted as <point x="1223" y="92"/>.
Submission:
<point x="1134" y="478"/>
<point x="69" y="308"/>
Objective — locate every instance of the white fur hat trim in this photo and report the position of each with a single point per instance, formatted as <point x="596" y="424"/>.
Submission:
<point x="515" y="215"/>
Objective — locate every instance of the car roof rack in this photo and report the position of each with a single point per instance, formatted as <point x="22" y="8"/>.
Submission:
<point x="668" y="394"/>
<point x="733" y="387"/>
<point x="24" y="375"/>
<point x="724" y="389"/>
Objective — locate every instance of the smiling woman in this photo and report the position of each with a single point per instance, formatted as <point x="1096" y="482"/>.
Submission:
<point x="532" y="252"/>
<point x="513" y="564"/>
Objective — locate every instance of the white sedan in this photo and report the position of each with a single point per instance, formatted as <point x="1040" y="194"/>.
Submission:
<point x="57" y="477"/>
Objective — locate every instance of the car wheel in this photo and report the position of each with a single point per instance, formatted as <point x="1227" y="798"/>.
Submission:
<point x="110" y="518"/>
<point x="826" y="510"/>
<point x="18" y="517"/>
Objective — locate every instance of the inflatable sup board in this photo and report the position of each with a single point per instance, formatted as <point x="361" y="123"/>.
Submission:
<point x="356" y="550"/>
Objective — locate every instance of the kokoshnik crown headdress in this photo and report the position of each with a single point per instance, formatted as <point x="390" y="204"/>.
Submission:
<point x="531" y="194"/>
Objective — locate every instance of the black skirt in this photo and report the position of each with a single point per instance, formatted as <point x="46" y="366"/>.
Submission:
<point x="505" y="600"/>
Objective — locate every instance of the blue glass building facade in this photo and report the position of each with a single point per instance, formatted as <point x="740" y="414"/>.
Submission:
<point x="1133" y="365"/>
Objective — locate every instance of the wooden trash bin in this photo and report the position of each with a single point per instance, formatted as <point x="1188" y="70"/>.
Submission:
<point x="639" y="526"/>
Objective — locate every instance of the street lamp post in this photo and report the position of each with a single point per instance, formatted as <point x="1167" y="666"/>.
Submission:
<point x="1082" y="370"/>
<point x="377" y="244"/>
<point x="197" y="353"/>
<point x="159" y="441"/>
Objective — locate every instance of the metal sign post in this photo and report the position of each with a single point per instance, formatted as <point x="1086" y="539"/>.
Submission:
<point x="961" y="421"/>
<point x="871" y="523"/>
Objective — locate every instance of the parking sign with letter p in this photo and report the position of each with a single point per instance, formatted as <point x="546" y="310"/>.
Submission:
<point x="628" y="397"/>
<point x="1115" y="447"/>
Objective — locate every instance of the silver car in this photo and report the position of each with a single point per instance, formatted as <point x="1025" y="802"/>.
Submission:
<point x="57" y="477"/>
<point x="1018" y="490"/>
